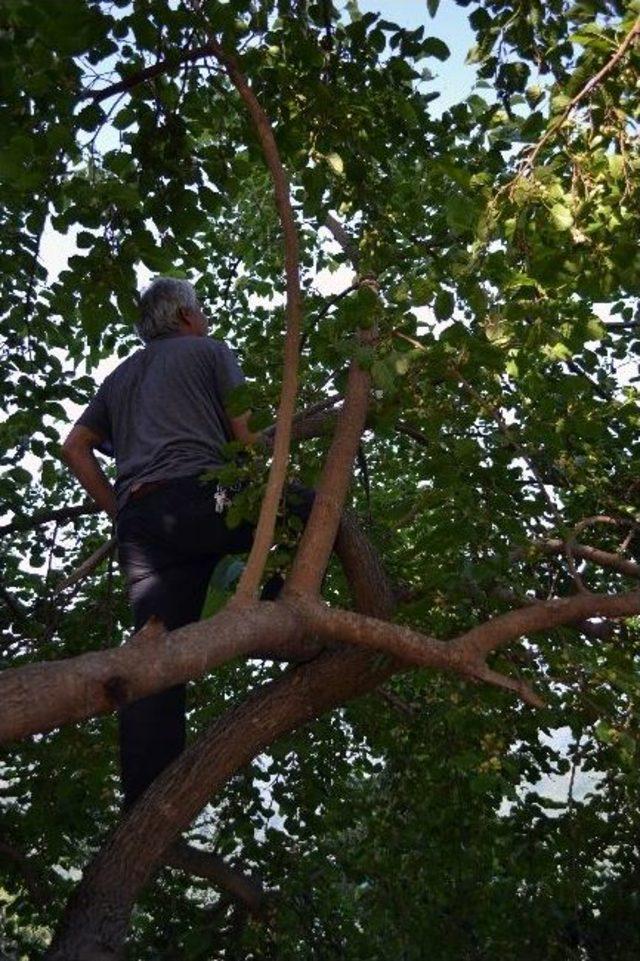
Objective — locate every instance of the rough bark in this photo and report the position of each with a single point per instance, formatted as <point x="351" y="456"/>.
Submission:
<point x="545" y="615"/>
<point x="38" y="697"/>
<point x="321" y="529"/>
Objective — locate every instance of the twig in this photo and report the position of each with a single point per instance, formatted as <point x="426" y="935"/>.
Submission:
<point x="14" y="605"/>
<point x="324" y="310"/>
<point x="141" y="76"/>
<point x="588" y="87"/>
<point x="43" y="517"/>
<point x="87" y="567"/>
<point x="36" y="885"/>
<point x="397" y="702"/>
<point x="517" y="446"/>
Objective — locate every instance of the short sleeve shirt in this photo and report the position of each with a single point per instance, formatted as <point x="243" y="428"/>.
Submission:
<point x="162" y="411"/>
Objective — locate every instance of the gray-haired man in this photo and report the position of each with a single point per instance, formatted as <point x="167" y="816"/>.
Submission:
<point x="162" y="411"/>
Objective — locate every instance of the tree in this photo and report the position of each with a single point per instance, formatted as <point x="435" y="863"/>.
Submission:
<point x="485" y="589"/>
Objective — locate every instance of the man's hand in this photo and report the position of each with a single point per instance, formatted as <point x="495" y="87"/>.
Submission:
<point x="77" y="453"/>
<point x="240" y="429"/>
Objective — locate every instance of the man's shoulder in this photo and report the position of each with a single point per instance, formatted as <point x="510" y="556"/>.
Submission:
<point x="126" y="365"/>
<point x="210" y="347"/>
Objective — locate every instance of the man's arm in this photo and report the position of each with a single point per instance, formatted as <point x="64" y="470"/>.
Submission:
<point x="77" y="453"/>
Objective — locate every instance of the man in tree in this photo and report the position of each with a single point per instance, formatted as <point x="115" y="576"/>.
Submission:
<point x="162" y="413"/>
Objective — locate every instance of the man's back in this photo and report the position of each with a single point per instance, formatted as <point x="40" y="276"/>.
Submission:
<point x="162" y="409"/>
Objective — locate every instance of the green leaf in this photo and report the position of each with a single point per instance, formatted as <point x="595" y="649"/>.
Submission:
<point x="434" y="47"/>
<point x="91" y="117"/>
<point x="595" y="328"/>
<point x="422" y="291"/>
<point x="382" y="376"/>
<point x="336" y="163"/>
<point x="562" y="217"/>
<point x="616" y="165"/>
<point x="460" y="213"/>
<point x="432" y="7"/>
<point x="443" y="305"/>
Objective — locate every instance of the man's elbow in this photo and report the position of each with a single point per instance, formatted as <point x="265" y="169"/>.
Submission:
<point x="75" y="447"/>
<point x="67" y="452"/>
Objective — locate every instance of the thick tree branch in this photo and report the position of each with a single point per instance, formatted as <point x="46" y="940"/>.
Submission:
<point x="395" y="640"/>
<point x="487" y="637"/>
<point x="38" y="697"/>
<point x="320" y="532"/>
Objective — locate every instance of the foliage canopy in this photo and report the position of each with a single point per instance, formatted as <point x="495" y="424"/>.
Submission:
<point x="504" y="414"/>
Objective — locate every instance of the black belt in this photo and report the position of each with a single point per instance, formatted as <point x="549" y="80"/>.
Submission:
<point x="146" y="488"/>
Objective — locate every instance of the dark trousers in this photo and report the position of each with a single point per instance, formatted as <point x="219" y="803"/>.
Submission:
<point x="169" y="542"/>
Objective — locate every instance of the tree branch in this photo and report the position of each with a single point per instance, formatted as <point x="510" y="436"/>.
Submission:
<point x="18" y="609"/>
<point x="203" y="864"/>
<point x="588" y="87"/>
<point x="95" y="921"/>
<point x="87" y="567"/>
<point x="263" y="539"/>
<point x="320" y="531"/>
<point x="545" y="615"/>
<point x="36" y="885"/>
<point x="43" y="517"/>
<point x="554" y="545"/>
<point x="38" y="697"/>
<point x="345" y="240"/>
<point x="148" y="73"/>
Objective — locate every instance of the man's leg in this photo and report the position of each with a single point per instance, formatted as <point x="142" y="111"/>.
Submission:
<point x="152" y="729"/>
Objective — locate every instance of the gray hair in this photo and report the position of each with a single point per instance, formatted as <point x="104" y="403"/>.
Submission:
<point x="159" y="306"/>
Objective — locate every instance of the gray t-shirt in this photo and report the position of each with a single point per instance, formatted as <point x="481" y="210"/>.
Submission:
<point x="162" y="410"/>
